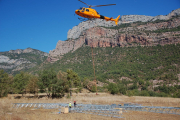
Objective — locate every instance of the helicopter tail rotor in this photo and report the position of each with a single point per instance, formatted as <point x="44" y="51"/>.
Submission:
<point x="116" y="20"/>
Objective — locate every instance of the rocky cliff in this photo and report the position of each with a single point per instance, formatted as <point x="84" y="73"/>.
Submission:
<point x="132" y="30"/>
<point x="75" y="32"/>
<point x="14" y="61"/>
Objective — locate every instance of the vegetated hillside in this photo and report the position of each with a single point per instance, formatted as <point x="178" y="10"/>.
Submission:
<point x="148" y="62"/>
<point x="14" y="61"/>
<point x="143" y="68"/>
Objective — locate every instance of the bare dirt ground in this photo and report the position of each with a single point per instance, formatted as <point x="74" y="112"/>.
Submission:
<point x="9" y="113"/>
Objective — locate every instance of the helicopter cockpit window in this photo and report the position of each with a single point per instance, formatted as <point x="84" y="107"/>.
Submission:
<point x="83" y="9"/>
<point x="87" y="10"/>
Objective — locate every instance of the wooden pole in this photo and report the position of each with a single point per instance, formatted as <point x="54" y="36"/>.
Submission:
<point x="94" y="69"/>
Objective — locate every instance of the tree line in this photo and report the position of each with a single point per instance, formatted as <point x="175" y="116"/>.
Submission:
<point x="56" y="84"/>
<point x="46" y="81"/>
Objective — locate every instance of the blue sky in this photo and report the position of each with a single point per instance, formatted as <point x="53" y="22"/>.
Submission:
<point x="39" y="24"/>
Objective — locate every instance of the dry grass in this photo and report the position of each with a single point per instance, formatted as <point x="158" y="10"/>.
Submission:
<point x="7" y="113"/>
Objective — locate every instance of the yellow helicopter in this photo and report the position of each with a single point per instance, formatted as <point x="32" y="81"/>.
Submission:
<point x="92" y="13"/>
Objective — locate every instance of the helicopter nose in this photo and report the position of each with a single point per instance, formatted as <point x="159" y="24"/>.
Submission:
<point x="77" y="11"/>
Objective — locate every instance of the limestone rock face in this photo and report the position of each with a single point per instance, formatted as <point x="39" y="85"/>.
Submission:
<point x="14" y="61"/>
<point x="64" y="47"/>
<point x="76" y="30"/>
<point x="27" y="50"/>
<point x="136" y="34"/>
<point x="135" y="18"/>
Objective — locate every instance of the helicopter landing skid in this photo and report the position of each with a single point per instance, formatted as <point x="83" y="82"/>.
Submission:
<point x="83" y="19"/>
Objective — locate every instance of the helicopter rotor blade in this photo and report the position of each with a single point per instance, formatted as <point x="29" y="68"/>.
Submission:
<point x="103" y="5"/>
<point x="84" y="3"/>
<point x="95" y="5"/>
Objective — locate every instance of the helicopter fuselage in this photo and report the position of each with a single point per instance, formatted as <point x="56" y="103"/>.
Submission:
<point x="92" y="13"/>
<point x="87" y="13"/>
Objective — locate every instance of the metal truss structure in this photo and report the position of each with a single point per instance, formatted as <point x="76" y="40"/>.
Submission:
<point x="38" y="105"/>
<point x="102" y="110"/>
<point x="155" y="109"/>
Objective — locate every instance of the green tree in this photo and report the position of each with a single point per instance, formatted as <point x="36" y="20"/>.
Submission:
<point x="144" y="93"/>
<point x="73" y="80"/>
<point x="62" y="76"/>
<point x="177" y="95"/>
<point x="4" y="83"/>
<point x="147" y="83"/>
<point x="20" y="82"/>
<point x="122" y="89"/>
<point x="113" y="88"/>
<point x="164" y="88"/>
<point x="61" y="85"/>
<point x="32" y="85"/>
<point x="130" y="93"/>
<point x="53" y="86"/>
<point x="85" y="82"/>
<point x="47" y="80"/>
<point x="144" y="87"/>
<point x="93" y="88"/>
<point x="141" y="82"/>
<point x="43" y="81"/>
<point x="134" y="86"/>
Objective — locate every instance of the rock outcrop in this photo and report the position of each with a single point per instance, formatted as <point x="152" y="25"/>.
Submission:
<point x="75" y="32"/>
<point x="64" y="47"/>
<point x="28" y="50"/>
<point x="135" y="33"/>
<point x="14" y="61"/>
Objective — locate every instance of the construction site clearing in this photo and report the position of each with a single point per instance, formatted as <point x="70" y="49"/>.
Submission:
<point x="91" y="106"/>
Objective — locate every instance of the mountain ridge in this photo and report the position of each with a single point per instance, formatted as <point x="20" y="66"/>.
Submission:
<point x="75" y="32"/>
<point x="14" y="61"/>
<point x="127" y="34"/>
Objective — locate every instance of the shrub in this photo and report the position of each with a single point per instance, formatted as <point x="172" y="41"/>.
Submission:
<point x="113" y="88"/>
<point x="130" y="93"/>
<point x="93" y="88"/>
<point x="144" y="93"/>
<point x="141" y="82"/>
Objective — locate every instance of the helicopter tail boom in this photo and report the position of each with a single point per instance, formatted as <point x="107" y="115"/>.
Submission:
<point x="115" y="20"/>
